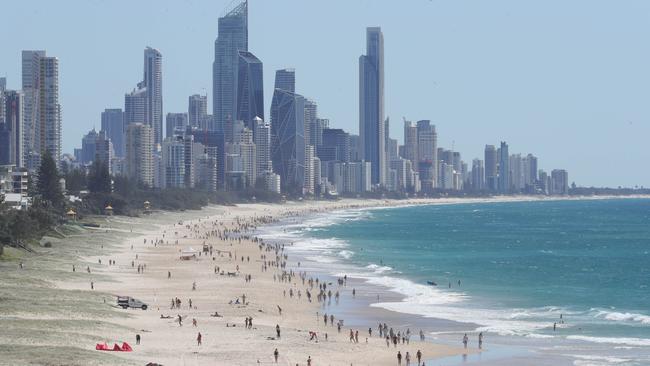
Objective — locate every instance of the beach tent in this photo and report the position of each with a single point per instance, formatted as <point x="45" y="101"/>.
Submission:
<point x="189" y="253"/>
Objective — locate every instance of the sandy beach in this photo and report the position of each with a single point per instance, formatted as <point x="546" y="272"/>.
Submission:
<point x="54" y="314"/>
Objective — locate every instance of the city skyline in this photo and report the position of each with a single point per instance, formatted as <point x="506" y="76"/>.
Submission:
<point x="552" y="143"/>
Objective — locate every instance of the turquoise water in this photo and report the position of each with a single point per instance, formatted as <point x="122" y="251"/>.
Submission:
<point x="522" y="265"/>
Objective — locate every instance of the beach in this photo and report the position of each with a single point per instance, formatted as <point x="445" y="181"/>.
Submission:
<point x="72" y="326"/>
<point x="54" y="314"/>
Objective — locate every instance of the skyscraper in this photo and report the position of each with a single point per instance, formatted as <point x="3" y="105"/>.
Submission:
<point x="232" y="38"/>
<point x="173" y="160"/>
<point x="11" y="129"/>
<point x="410" y="142"/>
<point x="139" y="153"/>
<point x="288" y="138"/>
<point x="559" y="182"/>
<point x="491" y="163"/>
<point x="285" y="79"/>
<point x="336" y="145"/>
<point x="197" y="109"/>
<point x="113" y="125"/>
<point x="478" y="175"/>
<point x="31" y="87"/>
<point x="263" y="146"/>
<point x="152" y="81"/>
<point x="250" y="89"/>
<point x="175" y="124"/>
<point x="504" y="168"/>
<point x="88" y="147"/>
<point x="135" y="106"/>
<point x="427" y="148"/>
<point x="42" y="109"/>
<point x="3" y="87"/>
<point x="371" y="105"/>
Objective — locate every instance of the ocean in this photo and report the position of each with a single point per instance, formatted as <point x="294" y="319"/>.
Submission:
<point x="509" y="269"/>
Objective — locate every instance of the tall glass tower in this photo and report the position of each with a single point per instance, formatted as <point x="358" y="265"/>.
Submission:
<point x="250" y="89"/>
<point x="504" y="168"/>
<point x="288" y="139"/>
<point x="371" y="105"/>
<point x="232" y="38"/>
<point x="152" y="80"/>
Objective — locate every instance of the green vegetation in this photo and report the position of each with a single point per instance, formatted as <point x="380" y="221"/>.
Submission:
<point x="48" y="188"/>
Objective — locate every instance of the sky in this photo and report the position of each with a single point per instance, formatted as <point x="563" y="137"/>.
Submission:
<point x="568" y="81"/>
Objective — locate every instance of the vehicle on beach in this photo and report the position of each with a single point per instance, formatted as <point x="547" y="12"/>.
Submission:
<point x="126" y="302"/>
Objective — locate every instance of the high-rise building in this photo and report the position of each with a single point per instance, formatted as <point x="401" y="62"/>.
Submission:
<point x="173" y="160"/>
<point x="215" y="144"/>
<point x="135" y="106"/>
<point x="371" y="105"/>
<point x="410" y="142"/>
<point x="206" y="169"/>
<point x="232" y="38"/>
<point x="559" y="182"/>
<point x="241" y="155"/>
<point x="516" y="173"/>
<point x="3" y="88"/>
<point x="311" y="118"/>
<point x="113" y="125"/>
<point x="530" y="169"/>
<point x="263" y="146"/>
<point x="104" y="150"/>
<point x="544" y="182"/>
<point x="355" y="148"/>
<point x="197" y="109"/>
<point x="491" y="164"/>
<point x="31" y="87"/>
<point x="250" y="89"/>
<point x="88" y="147"/>
<point x="152" y="81"/>
<point x="176" y="124"/>
<point x="351" y="177"/>
<point x="288" y="138"/>
<point x="42" y="109"/>
<point x="285" y="79"/>
<point x="427" y="149"/>
<point x="478" y="175"/>
<point x="504" y="169"/>
<point x="139" y="153"/>
<point x="317" y="131"/>
<point x="11" y="128"/>
<point x="308" y="187"/>
<point x="336" y="145"/>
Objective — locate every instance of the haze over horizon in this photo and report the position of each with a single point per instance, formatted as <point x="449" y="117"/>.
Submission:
<point x="568" y="82"/>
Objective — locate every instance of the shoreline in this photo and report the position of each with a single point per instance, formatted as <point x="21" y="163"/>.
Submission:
<point x="506" y="349"/>
<point x="162" y="340"/>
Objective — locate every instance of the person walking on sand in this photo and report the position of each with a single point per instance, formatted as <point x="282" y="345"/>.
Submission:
<point x="275" y="355"/>
<point x="480" y="340"/>
<point x="198" y="339"/>
<point x="418" y="355"/>
<point x="399" y="358"/>
<point x="309" y="361"/>
<point x="408" y="359"/>
<point x="137" y="339"/>
<point x="277" y="330"/>
<point x="465" y="339"/>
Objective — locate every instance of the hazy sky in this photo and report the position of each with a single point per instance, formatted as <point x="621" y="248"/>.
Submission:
<point x="566" y="80"/>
